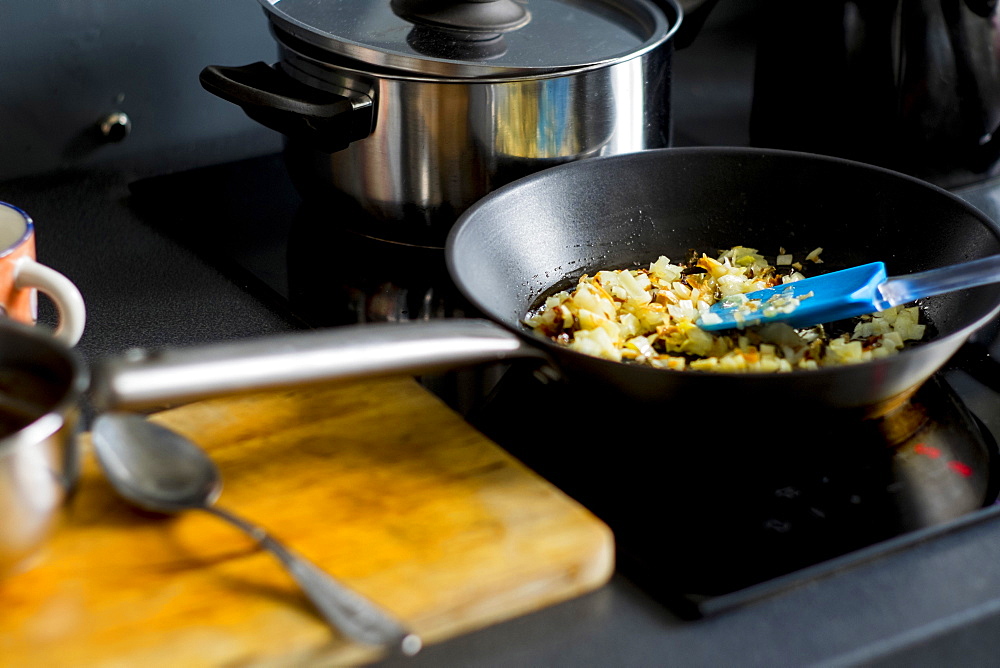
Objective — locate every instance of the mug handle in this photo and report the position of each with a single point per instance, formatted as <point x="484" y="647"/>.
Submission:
<point x="63" y="293"/>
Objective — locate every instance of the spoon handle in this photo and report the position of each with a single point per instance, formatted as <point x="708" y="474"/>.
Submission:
<point x="352" y="614"/>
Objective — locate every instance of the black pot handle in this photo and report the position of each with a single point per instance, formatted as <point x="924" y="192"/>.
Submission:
<point x="325" y="120"/>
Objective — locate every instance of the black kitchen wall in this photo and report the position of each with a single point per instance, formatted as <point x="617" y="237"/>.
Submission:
<point x="67" y="64"/>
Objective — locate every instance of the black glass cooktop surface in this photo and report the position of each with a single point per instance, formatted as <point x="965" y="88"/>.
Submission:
<point x="701" y="511"/>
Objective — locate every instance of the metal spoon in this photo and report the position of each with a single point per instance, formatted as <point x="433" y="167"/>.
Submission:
<point x="159" y="470"/>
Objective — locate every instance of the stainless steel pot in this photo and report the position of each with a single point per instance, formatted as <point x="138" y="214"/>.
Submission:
<point x="398" y="124"/>
<point x="41" y="382"/>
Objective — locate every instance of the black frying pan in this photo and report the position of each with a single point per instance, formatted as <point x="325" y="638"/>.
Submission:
<point x="510" y="248"/>
<point x="513" y="246"/>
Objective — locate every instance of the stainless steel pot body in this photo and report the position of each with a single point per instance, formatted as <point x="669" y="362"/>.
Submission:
<point x="41" y="382"/>
<point x="400" y="154"/>
<point x="437" y="146"/>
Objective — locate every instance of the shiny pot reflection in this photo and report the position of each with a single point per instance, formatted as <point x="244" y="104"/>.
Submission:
<point x="421" y="148"/>
<point x="440" y="146"/>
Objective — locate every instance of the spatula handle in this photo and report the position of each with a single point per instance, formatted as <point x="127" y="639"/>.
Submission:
<point x="903" y="289"/>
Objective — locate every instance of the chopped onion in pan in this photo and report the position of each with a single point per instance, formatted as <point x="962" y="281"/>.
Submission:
<point x="647" y="316"/>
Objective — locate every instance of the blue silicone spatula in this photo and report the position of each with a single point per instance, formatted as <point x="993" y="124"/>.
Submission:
<point x="846" y="294"/>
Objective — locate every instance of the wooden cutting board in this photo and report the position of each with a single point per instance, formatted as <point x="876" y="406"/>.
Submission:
<point x="377" y="481"/>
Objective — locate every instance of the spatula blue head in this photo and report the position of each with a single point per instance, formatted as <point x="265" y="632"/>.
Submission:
<point x="811" y="301"/>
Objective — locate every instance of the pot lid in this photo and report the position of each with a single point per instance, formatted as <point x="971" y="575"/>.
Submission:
<point x="478" y="38"/>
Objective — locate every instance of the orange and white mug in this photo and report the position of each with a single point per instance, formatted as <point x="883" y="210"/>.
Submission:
<point x="22" y="277"/>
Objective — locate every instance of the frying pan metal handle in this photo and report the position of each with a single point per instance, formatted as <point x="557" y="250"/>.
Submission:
<point x="143" y="379"/>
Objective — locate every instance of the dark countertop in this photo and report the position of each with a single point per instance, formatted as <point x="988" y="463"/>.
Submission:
<point x="935" y="603"/>
<point x="142" y="288"/>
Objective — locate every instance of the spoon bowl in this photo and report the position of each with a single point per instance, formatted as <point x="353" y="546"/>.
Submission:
<point x="153" y="467"/>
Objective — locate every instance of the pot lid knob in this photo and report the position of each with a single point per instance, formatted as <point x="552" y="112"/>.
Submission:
<point x="467" y="16"/>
